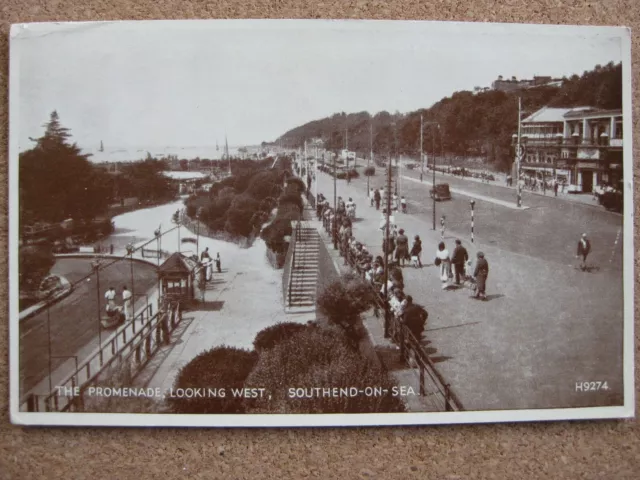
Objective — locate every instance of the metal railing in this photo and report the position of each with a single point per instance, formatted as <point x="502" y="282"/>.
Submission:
<point x="139" y="344"/>
<point x="432" y="385"/>
<point x="289" y="265"/>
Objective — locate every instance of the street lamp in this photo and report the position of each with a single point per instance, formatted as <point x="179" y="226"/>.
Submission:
<point x="157" y="233"/>
<point x="334" y="229"/>
<point x="198" y="215"/>
<point x="96" y="264"/>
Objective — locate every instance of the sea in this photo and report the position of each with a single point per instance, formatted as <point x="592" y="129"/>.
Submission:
<point x="131" y="154"/>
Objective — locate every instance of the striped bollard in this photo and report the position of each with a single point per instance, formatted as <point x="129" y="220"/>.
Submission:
<point x="473" y="203"/>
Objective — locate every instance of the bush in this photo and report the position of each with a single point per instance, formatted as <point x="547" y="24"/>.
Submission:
<point x="343" y="300"/>
<point x="219" y="368"/>
<point x="370" y="171"/>
<point x="296" y="183"/>
<point x="318" y="358"/>
<point x="353" y="173"/>
<point x="275" y="334"/>
<point x="274" y="233"/>
<point x="34" y="264"/>
<point x="291" y="198"/>
<point x="612" y="201"/>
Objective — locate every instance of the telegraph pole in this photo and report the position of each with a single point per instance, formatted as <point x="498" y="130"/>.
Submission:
<point x="335" y="202"/>
<point x="370" y="155"/>
<point x="433" y="196"/>
<point x="421" y="150"/>
<point x="395" y="147"/>
<point x="519" y="153"/>
<point x="386" y="250"/>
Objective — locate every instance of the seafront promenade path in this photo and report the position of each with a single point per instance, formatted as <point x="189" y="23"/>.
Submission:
<point x="546" y="325"/>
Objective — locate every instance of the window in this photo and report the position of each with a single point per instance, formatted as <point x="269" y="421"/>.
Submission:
<point x="619" y="129"/>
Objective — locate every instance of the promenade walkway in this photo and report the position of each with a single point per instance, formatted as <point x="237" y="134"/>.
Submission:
<point x="545" y="326"/>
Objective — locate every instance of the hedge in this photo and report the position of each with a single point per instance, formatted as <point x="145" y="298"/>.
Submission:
<point x="275" y="334"/>
<point x="220" y="369"/>
<point x="318" y="358"/>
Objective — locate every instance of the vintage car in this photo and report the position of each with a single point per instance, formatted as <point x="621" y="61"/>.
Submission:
<point x="440" y="192"/>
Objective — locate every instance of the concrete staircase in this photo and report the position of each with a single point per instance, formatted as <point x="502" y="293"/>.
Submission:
<point x="303" y="280"/>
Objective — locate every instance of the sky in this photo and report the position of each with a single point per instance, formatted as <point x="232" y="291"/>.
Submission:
<point x="186" y="84"/>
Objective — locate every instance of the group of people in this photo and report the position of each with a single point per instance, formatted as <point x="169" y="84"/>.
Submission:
<point x="377" y="197"/>
<point x="127" y="303"/>
<point x="453" y="268"/>
<point x="207" y="264"/>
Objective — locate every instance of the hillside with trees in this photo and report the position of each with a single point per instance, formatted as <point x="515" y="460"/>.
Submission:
<point x="470" y="124"/>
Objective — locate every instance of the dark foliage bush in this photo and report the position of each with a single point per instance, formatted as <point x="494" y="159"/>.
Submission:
<point x="274" y="233"/>
<point x="343" y="300"/>
<point x="370" y="171"/>
<point x="297" y="183"/>
<point x="353" y="173"/>
<point x="612" y="201"/>
<point x="219" y="368"/>
<point x="291" y="198"/>
<point x="275" y="334"/>
<point x="35" y="263"/>
<point x="318" y="357"/>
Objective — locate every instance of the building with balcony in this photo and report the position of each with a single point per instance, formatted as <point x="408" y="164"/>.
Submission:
<point x="579" y="146"/>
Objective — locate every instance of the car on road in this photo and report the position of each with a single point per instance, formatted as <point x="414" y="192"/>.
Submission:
<point x="440" y="192"/>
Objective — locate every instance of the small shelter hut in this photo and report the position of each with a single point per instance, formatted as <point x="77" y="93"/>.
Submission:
<point x="177" y="278"/>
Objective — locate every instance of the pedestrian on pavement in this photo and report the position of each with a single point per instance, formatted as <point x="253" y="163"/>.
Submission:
<point x="442" y="226"/>
<point x="403" y="204"/>
<point x="416" y="251"/>
<point x="584" y="248"/>
<point x="443" y="261"/>
<point x="377" y="197"/>
<point x="414" y="318"/>
<point x="127" y="303"/>
<point x="481" y="273"/>
<point x="388" y="247"/>
<point x="218" y="263"/>
<point x="205" y="255"/>
<point x="402" y="248"/>
<point x="371" y="196"/>
<point x="458" y="260"/>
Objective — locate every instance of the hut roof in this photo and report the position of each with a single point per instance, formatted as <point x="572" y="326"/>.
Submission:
<point x="177" y="263"/>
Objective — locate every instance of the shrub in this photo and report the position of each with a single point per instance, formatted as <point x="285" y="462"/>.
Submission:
<point x="296" y="183"/>
<point x="343" y="300"/>
<point x="274" y="233"/>
<point x="318" y="357"/>
<point x="370" y="171"/>
<point x="275" y="334"/>
<point x="612" y="201"/>
<point x="219" y="368"/>
<point x="35" y="263"/>
<point x="291" y="198"/>
<point x="353" y="173"/>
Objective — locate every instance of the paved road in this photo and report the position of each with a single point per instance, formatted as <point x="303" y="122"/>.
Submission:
<point x="546" y="325"/>
<point x="549" y="229"/>
<point x="73" y="320"/>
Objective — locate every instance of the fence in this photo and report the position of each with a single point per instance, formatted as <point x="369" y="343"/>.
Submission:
<point x="433" y="386"/>
<point x="138" y="343"/>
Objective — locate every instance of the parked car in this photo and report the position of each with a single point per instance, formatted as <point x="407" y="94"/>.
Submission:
<point x="440" y="192"/>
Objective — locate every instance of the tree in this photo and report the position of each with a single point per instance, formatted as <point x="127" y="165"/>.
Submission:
<point x="35" y="263"/>
<point x="57" y="181"/>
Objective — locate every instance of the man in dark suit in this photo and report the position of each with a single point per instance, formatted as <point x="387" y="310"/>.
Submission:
<point x="458" y="260"/>
<point x="481" y="273"/>
<point x="584" y="247"/>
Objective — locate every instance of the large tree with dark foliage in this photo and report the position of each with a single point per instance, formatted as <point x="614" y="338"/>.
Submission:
<point x="470" y="124"/>
<point x="57" y="181"/>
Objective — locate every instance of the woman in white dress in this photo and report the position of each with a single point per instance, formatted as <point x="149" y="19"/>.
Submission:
<point x="442" y="258"/>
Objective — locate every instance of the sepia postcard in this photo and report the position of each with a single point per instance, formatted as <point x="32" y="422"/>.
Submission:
<point x="319" y="223"/>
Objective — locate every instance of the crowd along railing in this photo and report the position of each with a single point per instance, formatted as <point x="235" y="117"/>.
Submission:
<point x="432" y="384"/>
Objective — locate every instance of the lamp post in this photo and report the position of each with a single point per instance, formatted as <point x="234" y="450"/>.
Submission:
<point x="176" y="220"/>
<point x="198" y="215"/>
<point x="421" y="149"/>
<point x="130" y="250"/>
<point x="395" y="148"/>
<point x="386" y="251"/>
<point x="96" y="264"/>
<point x="519" y="155"/>
<point x="158" y="236"/>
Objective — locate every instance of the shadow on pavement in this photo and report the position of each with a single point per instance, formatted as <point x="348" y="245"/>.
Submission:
<point x="213" y="306"/>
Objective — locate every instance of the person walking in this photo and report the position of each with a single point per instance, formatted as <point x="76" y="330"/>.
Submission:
<point x="458" y="260"/>
<point x="443" y="261"/>
<point x="403" y="204"/>
<point x="414" y="318"/>
<point x="442" y="226"/>
<point x="218" y="263"/>
<point x="377" y="197"/>
<point x="402" y="247"/>
<point x="416" y="250"/>
<point x="371" y="196"/>
<point x="481" y="274"/>
<point x="127" y="303"/>
<point x="584" y="248"/>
